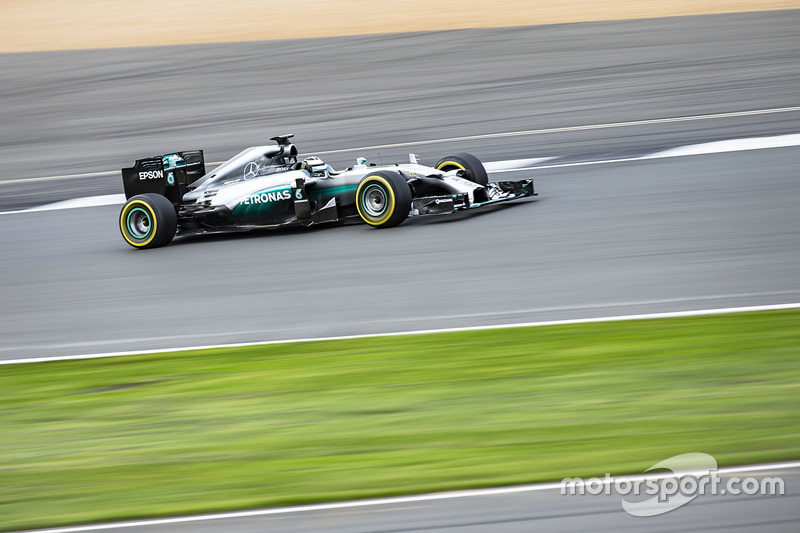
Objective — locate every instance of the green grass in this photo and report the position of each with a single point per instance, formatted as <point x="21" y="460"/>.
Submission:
<point x="190" y="432"/>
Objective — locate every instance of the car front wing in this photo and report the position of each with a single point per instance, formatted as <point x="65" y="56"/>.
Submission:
<point x="493" y="193"/>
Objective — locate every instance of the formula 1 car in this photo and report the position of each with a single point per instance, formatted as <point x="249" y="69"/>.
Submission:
<point x="267" y="187"/>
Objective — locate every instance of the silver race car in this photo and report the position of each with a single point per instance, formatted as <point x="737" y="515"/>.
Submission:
<point x="267" y="187"/>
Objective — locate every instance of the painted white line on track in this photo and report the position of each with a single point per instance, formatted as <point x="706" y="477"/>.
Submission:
<point x="645" y="122"/>
<point x="574" y="128"/>
<point x="86" y="345"/>
<point x="499" y="166"/>
<point x="75" y="203"/>
<point x="608" y="306"/>
<point x="716" y="147"/>
<point x="733" y="145"/>
<point x="567" y="165"/>
<point x="511" y="165"/>
<point x="621" y="318"/>
<point x="119" y="199"/>
<point x="476" y="493"/>
<point x="60" y="177"/>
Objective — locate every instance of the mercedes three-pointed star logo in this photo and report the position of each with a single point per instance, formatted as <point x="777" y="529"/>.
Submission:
<point x="251" y="170"/>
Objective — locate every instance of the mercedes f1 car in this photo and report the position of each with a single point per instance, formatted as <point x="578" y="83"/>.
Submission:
<point x="267" y="187"/>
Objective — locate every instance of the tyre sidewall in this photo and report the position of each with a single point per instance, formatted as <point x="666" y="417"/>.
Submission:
<point x="161" y="217"/>
<point x="398" y="199"/>
<point x="471" y="165"/>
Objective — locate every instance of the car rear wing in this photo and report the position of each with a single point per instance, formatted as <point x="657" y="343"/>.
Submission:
<point x="168" y="175"/>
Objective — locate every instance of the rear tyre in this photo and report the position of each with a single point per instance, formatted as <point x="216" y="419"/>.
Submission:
<point x="471" y="166"/>
<point x="148" y="221"/>
<point x="383" y="199"/>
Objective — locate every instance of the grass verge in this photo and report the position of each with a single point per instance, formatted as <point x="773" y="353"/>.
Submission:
<point x="210" y="430"/>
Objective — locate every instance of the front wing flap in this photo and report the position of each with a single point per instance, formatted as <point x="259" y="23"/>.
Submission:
<point x="501" y="191"/>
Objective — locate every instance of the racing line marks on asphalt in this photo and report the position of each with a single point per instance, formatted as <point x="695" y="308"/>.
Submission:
<point x="575" y="128"/>
<point x="687" y="118"/>
<point x="620" y="318"/>
<point x="398" y="500"/>
<point x="498" y="167"/>
<point x="62" y="177"/>
<point x="85" y="345"/>
<point x="556" y="308"/>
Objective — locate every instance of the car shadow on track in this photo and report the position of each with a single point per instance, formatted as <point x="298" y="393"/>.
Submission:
<point x="297" y="230"/>
<point x="249" y="234"/>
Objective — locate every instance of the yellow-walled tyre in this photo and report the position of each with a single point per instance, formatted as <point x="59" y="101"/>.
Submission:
<point x="473" y="168"/>
<point x="383" y="199"/>
<point x="148" y="221"/>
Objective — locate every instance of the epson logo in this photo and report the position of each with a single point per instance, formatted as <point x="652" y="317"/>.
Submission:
<point x="266" y="197"/>
<point x="151" y="175"/>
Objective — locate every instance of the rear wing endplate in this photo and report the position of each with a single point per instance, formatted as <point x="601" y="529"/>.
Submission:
<point x="168" y="175"/>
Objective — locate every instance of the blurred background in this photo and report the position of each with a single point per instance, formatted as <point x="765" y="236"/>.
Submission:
<point x="589" y="99"/>
<point x="51" y="25"/>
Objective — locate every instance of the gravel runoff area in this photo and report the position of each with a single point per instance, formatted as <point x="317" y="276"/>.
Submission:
<point x="39" y="25"/>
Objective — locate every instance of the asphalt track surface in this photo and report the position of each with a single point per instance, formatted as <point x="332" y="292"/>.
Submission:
<point x="93" y="111"/>
<point x="696" y="232"/>
<point x="664" y="235"/>
<point x="523" y="512"/>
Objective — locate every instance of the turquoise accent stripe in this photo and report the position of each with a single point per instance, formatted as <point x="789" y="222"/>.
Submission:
<point x="333" y="190"/>
<point x="254" y="207"/>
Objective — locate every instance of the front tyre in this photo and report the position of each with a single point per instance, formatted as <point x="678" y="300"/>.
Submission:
<point x="148" y="221"/>
<point x="383" y="199"/>
<point x="471" y="166"/>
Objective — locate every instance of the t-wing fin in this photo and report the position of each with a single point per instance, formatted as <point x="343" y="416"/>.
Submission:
<point x="282" y="140"/>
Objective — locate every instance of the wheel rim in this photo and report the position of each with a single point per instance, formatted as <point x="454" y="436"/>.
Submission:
<point x="375" y="200"/>
<point x="139" y="223"/>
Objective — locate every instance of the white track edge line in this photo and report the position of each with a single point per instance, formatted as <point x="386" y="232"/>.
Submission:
<point x="673" y="153"/>
<point x="645" y="122"/>
<point x="393" y="500"/>
<point x="493" y="167"/>
<point x="619" y="318"/>
<point x="574" y="128"/>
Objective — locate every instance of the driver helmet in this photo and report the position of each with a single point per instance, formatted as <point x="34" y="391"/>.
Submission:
<point x="315" y="166"/>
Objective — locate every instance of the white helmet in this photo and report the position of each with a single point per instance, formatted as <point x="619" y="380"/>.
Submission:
<point x="314" y="166"/>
